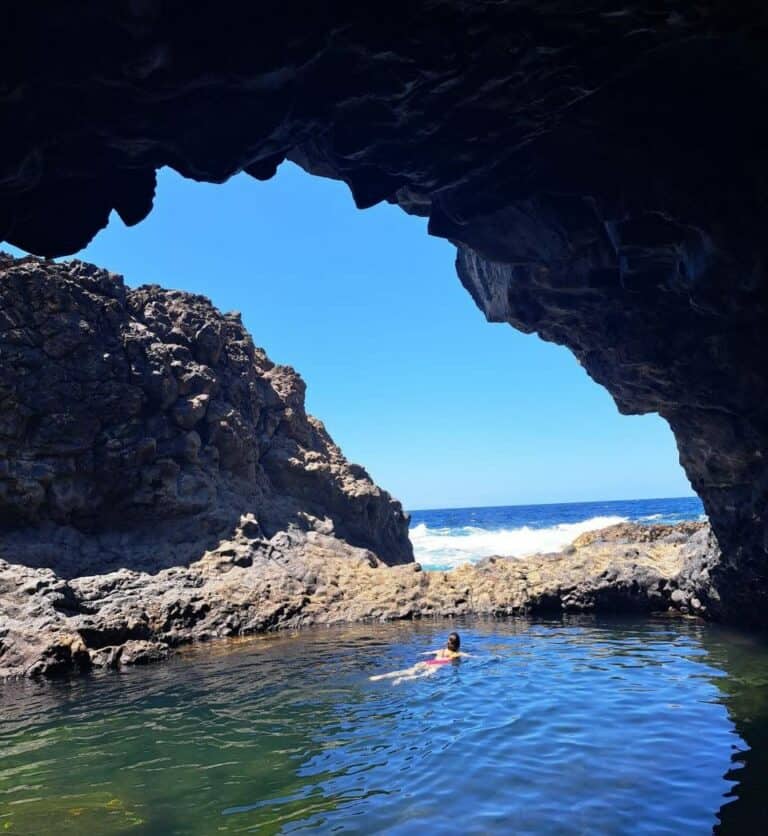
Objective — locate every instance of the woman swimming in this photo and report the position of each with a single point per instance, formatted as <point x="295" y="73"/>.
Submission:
<point x="443" y="656"/>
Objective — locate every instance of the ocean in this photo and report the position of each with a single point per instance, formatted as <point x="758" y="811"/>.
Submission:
<point x="448" y="537"/>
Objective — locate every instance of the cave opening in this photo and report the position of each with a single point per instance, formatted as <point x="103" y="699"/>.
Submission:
<point x="601" y="172"/>
<point x="406" y="373"/>
<point x="443" y="409"/>
<point x="596" y="177"/>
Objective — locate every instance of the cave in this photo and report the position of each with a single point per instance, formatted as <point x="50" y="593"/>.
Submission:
<point x="601" y="170"/>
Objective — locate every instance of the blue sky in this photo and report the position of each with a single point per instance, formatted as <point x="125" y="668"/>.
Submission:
<point x="441" y="407"/>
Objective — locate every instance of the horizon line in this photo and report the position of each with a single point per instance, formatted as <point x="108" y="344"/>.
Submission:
<point x="534" y="504"/>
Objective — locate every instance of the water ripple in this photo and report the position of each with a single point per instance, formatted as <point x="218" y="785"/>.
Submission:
<point x="579" y="727"/>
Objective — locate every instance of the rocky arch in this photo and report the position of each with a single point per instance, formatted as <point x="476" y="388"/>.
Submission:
<point x="601" y="168"/>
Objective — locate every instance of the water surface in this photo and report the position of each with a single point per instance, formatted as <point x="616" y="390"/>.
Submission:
<point x="577" y="726"/>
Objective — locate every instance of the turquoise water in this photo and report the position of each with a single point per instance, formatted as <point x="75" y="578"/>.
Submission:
<point x="578" y="726"/>
<point x="447" y="537"/>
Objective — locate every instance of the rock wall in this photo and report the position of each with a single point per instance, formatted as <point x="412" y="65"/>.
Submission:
<point x="671" y="352"/>
<point x="601" y="165"/>
<point x="137" y="427"/>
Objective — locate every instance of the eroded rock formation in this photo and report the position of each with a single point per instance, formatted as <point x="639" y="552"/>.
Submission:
<point x="247" y="585"/>
<point x="601" y="166"/>
<point x="161" y="483"/>
<point x="137" y="427"/>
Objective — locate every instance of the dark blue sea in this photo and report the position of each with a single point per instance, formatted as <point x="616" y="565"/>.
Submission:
<point x="448" y="537"/>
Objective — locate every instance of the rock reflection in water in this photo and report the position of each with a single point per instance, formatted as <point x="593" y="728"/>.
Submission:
<point x="743" y="657"/>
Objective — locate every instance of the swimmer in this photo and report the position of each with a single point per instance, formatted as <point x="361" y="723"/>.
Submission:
<point x="443" y="656"/>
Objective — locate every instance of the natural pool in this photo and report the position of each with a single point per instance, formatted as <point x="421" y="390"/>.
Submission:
<point x="577" y="726"/>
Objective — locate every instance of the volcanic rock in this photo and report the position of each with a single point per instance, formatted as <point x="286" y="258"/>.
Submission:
<point x="601" y="167"/>
<point x="49" y="626"/>
<point x="140" y="428"/>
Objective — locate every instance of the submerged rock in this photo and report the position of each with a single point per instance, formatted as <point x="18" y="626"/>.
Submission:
<point x="295" y="579"/>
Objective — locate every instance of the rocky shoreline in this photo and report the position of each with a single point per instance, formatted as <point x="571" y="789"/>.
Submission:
<point x="51" y="626"/>
<point x="143" y="434"/>
<point x="161" y="484"/>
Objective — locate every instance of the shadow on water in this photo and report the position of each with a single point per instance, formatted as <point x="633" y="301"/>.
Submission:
<point x="744" y="658"/>
<point x="575" y="726"/>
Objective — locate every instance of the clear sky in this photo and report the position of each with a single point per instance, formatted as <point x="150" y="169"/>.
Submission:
<point x="442" y="408"/>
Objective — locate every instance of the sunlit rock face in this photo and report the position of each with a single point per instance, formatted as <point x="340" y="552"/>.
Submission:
<point x="139" y="427"/>
<point x="601" y="167"/>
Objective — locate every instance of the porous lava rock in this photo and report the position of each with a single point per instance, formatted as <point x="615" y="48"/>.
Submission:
<point x="601" y="167"/>
<point x="51" y="626"/>
<point x="137" y="427"/>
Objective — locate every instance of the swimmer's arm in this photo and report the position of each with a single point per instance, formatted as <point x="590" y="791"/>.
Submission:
<point x="429" y="653"/>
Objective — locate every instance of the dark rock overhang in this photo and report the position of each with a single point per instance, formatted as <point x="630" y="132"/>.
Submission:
<point x="602" y="169"/>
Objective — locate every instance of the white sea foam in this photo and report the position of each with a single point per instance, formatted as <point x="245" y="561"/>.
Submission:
<point x="444" y="548"/>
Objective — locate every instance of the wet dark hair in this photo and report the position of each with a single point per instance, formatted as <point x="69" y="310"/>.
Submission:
<point x="454" y="642"/>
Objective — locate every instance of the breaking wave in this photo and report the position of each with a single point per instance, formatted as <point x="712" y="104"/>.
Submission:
<point x="445" y="548"/>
